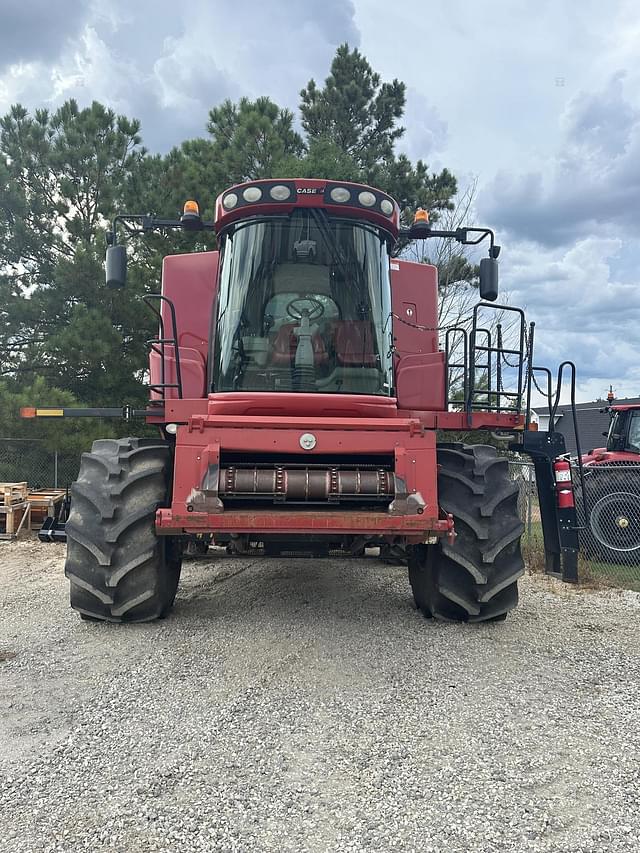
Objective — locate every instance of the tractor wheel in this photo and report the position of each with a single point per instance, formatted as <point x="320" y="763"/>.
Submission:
<point x="475" y="578"/>
<point x="119" y="569"/>
<point x="612" y="533"/>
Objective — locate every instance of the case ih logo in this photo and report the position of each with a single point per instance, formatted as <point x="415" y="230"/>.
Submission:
<point x="309" y="190"/>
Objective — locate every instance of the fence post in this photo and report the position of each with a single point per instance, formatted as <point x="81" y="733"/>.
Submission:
<point x="529" y="503"/>
<point x="55" y="469"/>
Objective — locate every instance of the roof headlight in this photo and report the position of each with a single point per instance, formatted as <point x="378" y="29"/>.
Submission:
<point x="366" y="198"/>
<point x="252" y="194"/>
<point x="280" y="192"/>
<point x="386" y="207"/>
<point x="230" y="201"/>
<point x="340" y="194"/>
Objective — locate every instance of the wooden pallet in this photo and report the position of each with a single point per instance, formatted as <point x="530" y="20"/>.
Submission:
<point x="43" y="502"/>
<point x="13" y="493"/>
<point x="14" y="519"/>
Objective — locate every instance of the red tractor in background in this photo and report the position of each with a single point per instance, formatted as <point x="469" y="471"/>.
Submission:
<point x="623" y="438"/>
<point x="611" y="530"/>
<point x="297" y="384"/>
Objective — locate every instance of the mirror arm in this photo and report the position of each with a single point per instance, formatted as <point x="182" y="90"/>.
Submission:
<point x="424" y="232"/>
<point x="136" y="224"/>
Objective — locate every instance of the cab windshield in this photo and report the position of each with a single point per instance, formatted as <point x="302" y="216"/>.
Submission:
<point x="304" y="305"/>
<point x="624" y="432"/>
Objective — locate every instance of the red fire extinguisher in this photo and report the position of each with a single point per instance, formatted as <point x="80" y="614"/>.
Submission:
<point x="564" y="484"/>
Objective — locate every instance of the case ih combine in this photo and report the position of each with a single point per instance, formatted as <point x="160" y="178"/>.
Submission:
<point x="298" y="385"/>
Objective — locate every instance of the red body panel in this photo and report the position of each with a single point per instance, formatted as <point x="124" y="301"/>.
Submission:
<point x="419" y="369"/>
<point x="414" y="300"/>
<point x="200" y="444"/>
<point x="420" y="382"/>
<point x="602" y="456"/>
<point x="367" y="425"/>
<point x="190" y="282"/>
<point x="330" y="405"/>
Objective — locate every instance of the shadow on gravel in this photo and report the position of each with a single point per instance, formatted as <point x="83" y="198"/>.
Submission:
<point x="282" y="588"/>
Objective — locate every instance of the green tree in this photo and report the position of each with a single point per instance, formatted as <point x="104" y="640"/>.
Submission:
<point x="67" y="435"/>
<point x="252" y="139"/>
<point x="62" y="177"/>
<point x="354" y="109"/>
<point x="356" y="116"/>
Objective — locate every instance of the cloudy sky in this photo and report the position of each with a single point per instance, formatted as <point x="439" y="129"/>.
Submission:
<point x="537" y="101"/>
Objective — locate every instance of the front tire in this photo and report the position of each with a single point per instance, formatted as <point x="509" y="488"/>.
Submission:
<point x="475" y="578"/>
<point x="119" y="569"/>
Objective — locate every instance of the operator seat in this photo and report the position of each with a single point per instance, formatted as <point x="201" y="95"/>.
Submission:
<point x="283" y="351"/>
<point x="355" y="343"/>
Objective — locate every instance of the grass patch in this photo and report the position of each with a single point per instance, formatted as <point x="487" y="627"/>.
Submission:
<point x="590" y="571"/>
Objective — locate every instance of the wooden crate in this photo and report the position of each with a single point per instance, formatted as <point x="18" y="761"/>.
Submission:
<point x="43" y="502"/>
<point x="14" y="519"/>
<point x="13" y="493"/>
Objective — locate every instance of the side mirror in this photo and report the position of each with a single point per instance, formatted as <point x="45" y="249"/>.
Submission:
<point x="116" y="267"/>
<point x="489" y="279"/>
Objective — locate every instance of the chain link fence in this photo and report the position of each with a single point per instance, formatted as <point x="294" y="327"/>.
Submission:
<point x="31" y="461"/>
<point x="609" y="524"/>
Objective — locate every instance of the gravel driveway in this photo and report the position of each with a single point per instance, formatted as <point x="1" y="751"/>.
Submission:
<point x="304" y="705"/>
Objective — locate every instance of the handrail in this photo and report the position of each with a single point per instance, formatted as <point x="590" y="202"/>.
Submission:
<point x="163" y="341"/>
<point x="448" y="365"/>
<point x="500" y="352"/>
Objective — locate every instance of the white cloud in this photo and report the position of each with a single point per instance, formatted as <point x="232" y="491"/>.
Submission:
<point x="582" y="313"/>
<point x="426" y="133"/>
<point x="592" y="182"/>
<point x="38" y="30"/>
<point x="168" y="66"/>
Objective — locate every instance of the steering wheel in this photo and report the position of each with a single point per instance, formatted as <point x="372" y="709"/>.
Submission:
<point x="297" y="313"/>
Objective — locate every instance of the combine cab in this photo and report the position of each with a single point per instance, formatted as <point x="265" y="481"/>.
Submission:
<point x="298" y="384"/>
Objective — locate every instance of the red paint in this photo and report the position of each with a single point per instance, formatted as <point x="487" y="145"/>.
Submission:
<point x="420" y="382"/>
<point x="329" y="405"/>
<point x="414" y="299"/>
<point x="625" y="408"/>
<point x="190" y="281"/>
<point x="604" y="456"/>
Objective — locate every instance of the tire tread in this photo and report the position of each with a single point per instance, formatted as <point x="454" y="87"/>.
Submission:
<point x="475" y="578"/>
<point x="116" y="564"/>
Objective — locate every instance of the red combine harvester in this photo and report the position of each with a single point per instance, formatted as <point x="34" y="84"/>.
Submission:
<point x="298" y="385"/>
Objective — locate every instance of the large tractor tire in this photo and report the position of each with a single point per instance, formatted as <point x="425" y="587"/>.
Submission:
<point x="473" y="579"/>
<point x="119" y="569"/>
<point x="611" y="534"/>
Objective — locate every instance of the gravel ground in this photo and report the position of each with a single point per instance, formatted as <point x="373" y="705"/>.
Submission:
<point x="304" y="705"/>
